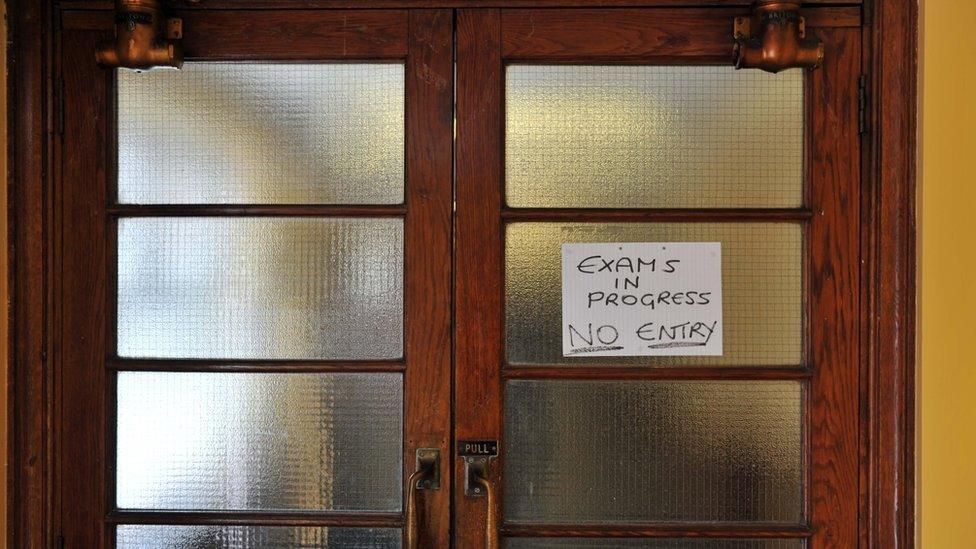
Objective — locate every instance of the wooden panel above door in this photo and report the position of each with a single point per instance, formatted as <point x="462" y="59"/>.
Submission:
<point x="634" y="34"/>
<point x="334" y="35"/>
<point x="406" y="4"/>
<point x="382" y="34"/>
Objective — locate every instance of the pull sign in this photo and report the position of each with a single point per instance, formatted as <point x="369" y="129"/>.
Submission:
<point x="478" y="448"/>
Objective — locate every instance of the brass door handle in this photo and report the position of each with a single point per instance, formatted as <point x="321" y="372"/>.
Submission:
<point x="413" y="524"/>
<point x="426" y="477"/>
<point x="491" y="526"/>
<point x="477" y="456"/>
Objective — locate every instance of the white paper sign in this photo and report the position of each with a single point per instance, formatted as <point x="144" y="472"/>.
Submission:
<point x="642" y="299"/>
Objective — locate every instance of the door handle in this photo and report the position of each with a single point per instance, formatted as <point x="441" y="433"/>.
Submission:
<point x="477" y="455"/>
<point x="491" y="526"/>
<point x="426" y="477"/>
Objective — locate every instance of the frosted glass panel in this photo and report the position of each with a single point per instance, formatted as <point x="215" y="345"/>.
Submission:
<point x="653" y="543"/>
<point x="235" y="441"/>
<point x="642" y="136"/>
<point x="255" y="537"/>
<point x="265" y="288"/>
<point x="761" y="297"/>
<point x="262" y="133"/>
<point x="670" y="451"/>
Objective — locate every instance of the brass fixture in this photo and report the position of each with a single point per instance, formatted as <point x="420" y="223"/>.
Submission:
<point x="491" y="520"/>
<point x="477" y="455"/>
<point x="427" y="476"/>
<point x="144" y="37"/>
<point x="774" y="38"/>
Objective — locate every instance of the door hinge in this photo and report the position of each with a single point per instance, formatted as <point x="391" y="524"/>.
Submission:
<point x="862" y="104"/>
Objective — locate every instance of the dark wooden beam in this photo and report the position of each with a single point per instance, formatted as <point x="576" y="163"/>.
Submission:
<point x="459" y="4"/>
<point x="30" y="518"/>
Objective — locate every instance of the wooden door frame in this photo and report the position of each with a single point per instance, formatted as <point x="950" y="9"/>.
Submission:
<point x="890" y="50"/>
<point x="85" y="359"/>
<point x="488" y="41"/>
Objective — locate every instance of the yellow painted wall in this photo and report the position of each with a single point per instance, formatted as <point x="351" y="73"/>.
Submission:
<point x="947" y="375"/>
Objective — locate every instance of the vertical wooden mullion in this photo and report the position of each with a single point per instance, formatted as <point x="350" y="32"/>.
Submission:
<point x="806" y="275"/>
<point x="110" y="424"/>
<point x="427" y="282"/>
<point x="834" y="311"/>
<point x="82" y="338"/>
<point x="111" y="268"/>
<point x="110" y="391"/>
<point x="478" y="284"/>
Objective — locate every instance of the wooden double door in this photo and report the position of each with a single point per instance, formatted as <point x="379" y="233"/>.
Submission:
<point x="331" y="250"/>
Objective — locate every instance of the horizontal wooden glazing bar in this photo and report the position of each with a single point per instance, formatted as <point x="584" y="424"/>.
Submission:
<point x="712" y="530"/>
<point x="263" y="366"/>
<point x="375" y="520"/>
<point x="651" y="215"/>
<point x="663" y="373"/>
<point x="240" y="210"/>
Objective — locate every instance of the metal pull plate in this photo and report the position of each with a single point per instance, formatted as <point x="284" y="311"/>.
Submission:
<point x="477" y="454"/>
<point x="429" y="461"/>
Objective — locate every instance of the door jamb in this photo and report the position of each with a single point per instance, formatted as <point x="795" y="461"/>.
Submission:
<point x="889" y="246"/>
<point x="888" y="235"/>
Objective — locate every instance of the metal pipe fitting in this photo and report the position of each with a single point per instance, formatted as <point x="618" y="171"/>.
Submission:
<point x="144" y="38"/>
<point x="774" y="38"/>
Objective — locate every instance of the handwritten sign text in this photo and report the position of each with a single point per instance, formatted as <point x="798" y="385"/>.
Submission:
<point x="642" y="299"/>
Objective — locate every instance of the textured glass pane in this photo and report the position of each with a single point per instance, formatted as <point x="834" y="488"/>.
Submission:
<point x="235" y="441"/>
<point x="262" y="133"/>
<point x="641" y="136"/>
<point x="271" y="288"/>
<point x="671" y="451"/>
<point x="256" y="537"/>
<point x="653" y="543"/>
<point x="761" y="289"/>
